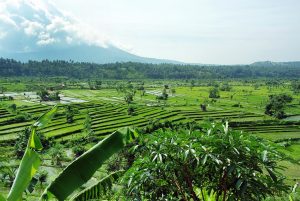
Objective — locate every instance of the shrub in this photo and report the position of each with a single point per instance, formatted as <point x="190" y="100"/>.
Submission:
<point x="214" y="93"/>
<point x="276" y="105"/>
<point x="78" y="150"/>
<point x="172" y="165"/>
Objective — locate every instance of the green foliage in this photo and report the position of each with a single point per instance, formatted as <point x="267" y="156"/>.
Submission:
<point x="22" y="117"/>
<point x="225" y="87"/>
<point x="69" y="113"/>
<point x="164" y="95"/>
<point x="21" y="143"/>
<point x="205" y="195"/>
<point x="276" y="105"/>
<point x="214" y="93"/>
<point x="7" y="172"/>
<point x="236" y="166"/>
<point x="13" y="107"/>
<point x="131" y="70"/>
<point x="130" y="110"/>
<point x="128" y="97"/>
<point x="295" y="87"/>
<point x="98" y="190"/>
<point x="57" y="154"/>
<point x="83" y="168"/>
<point x="173" y="91"/>
<point x="30" y="161"/>
<point x="78" y="150"/>
<point x="46" y="96"/>
<point x="203" y="107"/>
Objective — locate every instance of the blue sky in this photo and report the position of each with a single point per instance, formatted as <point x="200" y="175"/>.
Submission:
<point x="196" y="31"/>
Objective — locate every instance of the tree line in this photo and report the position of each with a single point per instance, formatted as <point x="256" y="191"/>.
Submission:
<point x="131" y="70"/>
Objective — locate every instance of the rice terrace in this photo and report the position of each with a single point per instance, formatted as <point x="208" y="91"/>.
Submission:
<point x="82" y="118"/>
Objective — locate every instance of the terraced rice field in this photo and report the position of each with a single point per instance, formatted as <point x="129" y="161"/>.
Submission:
<point x="107" y="117"/>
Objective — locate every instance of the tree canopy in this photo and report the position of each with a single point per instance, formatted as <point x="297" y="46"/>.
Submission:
<point x="131" y="70"/>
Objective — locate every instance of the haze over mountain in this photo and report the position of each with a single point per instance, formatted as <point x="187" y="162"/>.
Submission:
<point x="37" y="30"/>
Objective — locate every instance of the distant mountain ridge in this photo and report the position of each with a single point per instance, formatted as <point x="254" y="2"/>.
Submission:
<point x="84" y="53"/>
<point x="271" y="63"/>
<point x="37" y="30"/>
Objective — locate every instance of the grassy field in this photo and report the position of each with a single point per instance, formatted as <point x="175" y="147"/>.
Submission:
<point x="243" y="106"/>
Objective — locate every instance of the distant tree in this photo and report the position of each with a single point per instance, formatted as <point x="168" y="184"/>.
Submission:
<point x="56" y="153"/>
<point x="128" y="97"/>
<point x="173" y="91"/>
<point x="21" y="142"/>
<point x="2" y="89"/>
<point x="165" y="94"/>
<point x="91" y="86"/>
<point x="225" y="87"/>
<point x="295" y="87"/>
<point x="256" y="86"/>
<point x="88" y="126"/>
<point x="192" y="84"/>
<point x="214" y="93"/>
<point x="129" y="85"/>
<point x="7" y="172"/>
<point x="276" y="105"/>
<point x="98" y="84"/>
<point x="141" y="88"/>
<point x="78" y="150"/>
<point x="13" y="107"/>
<point x="54" y="96"/>
<point x="46" y="96"/>
<point x="203" y="107"/>
<point x="69" y="114"/>
<point x="130" y="110"/>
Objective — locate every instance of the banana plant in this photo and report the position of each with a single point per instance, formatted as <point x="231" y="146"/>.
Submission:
<point x="98" y="189"/>
<point x="31" y="160"/>
<point x="84" y="167"/>
<point x="76" y="173"/>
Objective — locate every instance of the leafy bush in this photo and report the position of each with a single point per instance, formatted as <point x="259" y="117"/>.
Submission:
<point x="78" y="150"/>
<point x="225" y="87"/>
<point x="172" y="165"/>
<point x="22" y="140"/>
<point x="276" y="105"/>
<point x="22" y="117"/>
<point x="214" y="93"/>
<point x="46" y="96"/>
<point x="130" y="110"/>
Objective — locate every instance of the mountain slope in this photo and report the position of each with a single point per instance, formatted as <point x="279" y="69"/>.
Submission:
<point x="37" y="30"/>
<point x="83" y="53"/>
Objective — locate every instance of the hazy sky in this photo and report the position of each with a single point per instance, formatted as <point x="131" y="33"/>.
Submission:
<point x="198" y="31"/>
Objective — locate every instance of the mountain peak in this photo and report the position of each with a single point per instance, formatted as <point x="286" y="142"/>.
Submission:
<point x="37" y="30"/>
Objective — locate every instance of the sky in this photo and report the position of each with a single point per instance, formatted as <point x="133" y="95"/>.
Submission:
<point x="193" y="31"/>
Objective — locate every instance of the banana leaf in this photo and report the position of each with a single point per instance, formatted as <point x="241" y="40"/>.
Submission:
<point x="97" y="190"/>
<point x="83" y="168"/>
<point x="30" y="161"/>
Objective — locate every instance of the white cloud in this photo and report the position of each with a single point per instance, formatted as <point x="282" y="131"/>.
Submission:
<point x="7" y="20"/>
<point x="46" y="41"/>
<point x="32" y="24"/>
<point x="32" y="28"/>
